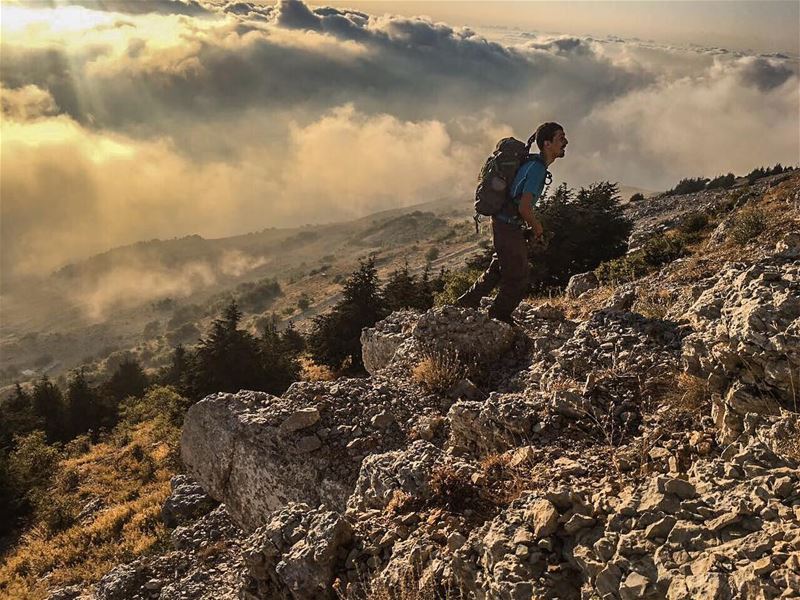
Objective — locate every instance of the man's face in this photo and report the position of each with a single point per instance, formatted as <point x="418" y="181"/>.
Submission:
<point x="559" y="144"/>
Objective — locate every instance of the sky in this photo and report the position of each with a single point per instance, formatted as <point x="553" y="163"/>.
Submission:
<point x="125" y="121"/>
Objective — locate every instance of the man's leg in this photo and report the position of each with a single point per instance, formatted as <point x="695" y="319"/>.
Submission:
<point x="482" y="287"/>
<point x="512" y="252"/>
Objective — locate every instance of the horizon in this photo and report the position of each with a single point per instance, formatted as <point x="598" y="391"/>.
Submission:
<point x="171" y="118"/>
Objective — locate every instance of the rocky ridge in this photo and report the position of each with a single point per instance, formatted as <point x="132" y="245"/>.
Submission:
<point x="619" y="455"/>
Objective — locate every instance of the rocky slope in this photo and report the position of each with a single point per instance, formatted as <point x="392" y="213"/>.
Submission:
<point x="611" y="453"/>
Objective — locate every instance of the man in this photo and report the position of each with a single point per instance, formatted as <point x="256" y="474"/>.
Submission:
<point x="509" y="266"/>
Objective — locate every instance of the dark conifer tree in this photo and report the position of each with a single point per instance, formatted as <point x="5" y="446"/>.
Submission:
<point x="83" y="405"/>
<point x="129" y="379"/>
<point x="587" y="229"/>
<point x="402" y="290"/>
<point x="48" y="405"/>
<point x="336" y="336"/>
<point x="227" y="360"/>
<point x="17" y="417"/>
<point x="292" y="340"/>
<point x="176" y="373"/>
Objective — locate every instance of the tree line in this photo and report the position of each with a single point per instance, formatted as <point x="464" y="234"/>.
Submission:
<point x="698" y="184"/>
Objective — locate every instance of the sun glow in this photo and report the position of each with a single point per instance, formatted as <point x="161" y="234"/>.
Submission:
<point x="21" y="20"/>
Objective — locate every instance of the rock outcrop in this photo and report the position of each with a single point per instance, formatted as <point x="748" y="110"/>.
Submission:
<point x="618" y="455"/>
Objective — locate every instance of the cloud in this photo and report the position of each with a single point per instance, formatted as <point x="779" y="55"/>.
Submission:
<point x="27" y="102"/>
<point x="697" y="126"/>
<point x="70" y="191"/>
<point x="162" y="119"/>
<point x="137" y="7"/>
<point x="138" y="282"/>
<point x="763" y="73"/>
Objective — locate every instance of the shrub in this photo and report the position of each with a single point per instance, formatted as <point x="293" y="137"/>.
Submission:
<point x="637" y="197"/>
<point x="688" y="186"/>
<point x="693" y="222"/>
<point x="31" y="466"/>
<point x="452" y="489"/>
<point x="588" y="228"/>
<point x="623" y="269"/>
<point x="438" y="371"/>
<point x="432" y="254"/>
<point x="662" y="249"/>
<point x="747" y="224"/>
<point x="455" y="284"/>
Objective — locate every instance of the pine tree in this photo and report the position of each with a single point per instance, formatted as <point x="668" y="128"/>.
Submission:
<point x="179" y="365"/>
<point x="335" y="339"/>
<point x="17" y="417"/>
<point x="47" y="402"/>
<point x="293" y="340"/>
<point x="83" y="405"/>
<point x="401" y="291"/>
<point x="231" y="359"/>
<point x="128" y="379"/>
<point x="587" y="228"/>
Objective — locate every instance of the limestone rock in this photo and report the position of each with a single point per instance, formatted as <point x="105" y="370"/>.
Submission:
<point x="379" y="343"/>
<point x="187" y="502"/>
<point x="294" y="555"/>
<point x="583" y="282"/>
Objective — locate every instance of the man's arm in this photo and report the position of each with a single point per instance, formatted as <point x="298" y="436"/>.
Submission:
<point x="526" y="212"/>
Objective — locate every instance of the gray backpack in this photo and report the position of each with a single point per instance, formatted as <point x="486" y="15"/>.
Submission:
<point x="497" y="175"/>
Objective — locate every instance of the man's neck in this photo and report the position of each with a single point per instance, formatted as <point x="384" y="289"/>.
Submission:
<point x="547" y="159"/>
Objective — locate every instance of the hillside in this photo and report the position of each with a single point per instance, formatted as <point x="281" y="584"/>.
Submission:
<point x="635" y="437"/>
<point x="142" y="298"/>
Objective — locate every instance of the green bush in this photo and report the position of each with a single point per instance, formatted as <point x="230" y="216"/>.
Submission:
<point x="637" y="197"/>
<point x="623" y="269"/>
<point x="455" y="284"/>
<point x="747" y="224"/>
<point x="693" y="222"/>
<point x="655" y="252"/>
<point x="587" y="229"/>
<point x="662" y="249"/>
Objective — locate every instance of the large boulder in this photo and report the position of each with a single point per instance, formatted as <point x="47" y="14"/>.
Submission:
<point x="472" y="334"/>
<point x="256" y="452"/>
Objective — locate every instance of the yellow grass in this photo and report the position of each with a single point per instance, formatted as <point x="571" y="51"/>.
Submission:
<point x="127" y="526"/>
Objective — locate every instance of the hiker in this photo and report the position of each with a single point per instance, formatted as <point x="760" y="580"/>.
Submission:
<point x="513" y="226"/>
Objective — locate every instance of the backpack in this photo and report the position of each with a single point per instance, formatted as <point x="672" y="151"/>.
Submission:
<point x="497" y="175"/>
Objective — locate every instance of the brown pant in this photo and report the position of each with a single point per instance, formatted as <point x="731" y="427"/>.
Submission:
<point x="509" y="268"/>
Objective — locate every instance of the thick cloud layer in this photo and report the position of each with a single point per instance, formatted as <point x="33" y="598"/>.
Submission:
<point x="128" y="120"/>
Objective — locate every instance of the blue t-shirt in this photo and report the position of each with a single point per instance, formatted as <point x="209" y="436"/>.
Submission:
<point x="529" y="178"/>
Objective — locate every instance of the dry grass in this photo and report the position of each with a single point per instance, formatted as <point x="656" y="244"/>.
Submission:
<point x="311" y="371"/>
<point x="576" y="308"/>
<point x="789" y="445"/>
<point x="653" y="304"/>
<point x="683" y="400"/>
<point x="399" y="503"/>
<point x="439" y="370"/>
<point x="133" y="483"/>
